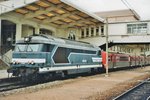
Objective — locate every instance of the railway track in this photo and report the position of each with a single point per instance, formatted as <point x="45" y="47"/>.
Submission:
<point x="13" y="83"/>
<point x="139" y="92"/>
<point x="7" y="84"/>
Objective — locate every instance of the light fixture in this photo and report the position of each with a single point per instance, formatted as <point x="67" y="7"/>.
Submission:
<point x="27" y="39"/>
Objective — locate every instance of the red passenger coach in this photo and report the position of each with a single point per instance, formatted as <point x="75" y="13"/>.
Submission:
<point x="118" y="60"/>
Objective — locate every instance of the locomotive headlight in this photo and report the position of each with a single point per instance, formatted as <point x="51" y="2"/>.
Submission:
<point x="13" y="62"/>
<point x="27" y="39"/>
<point x="17" y="62"/>
<point x="28" y="62"/>
<point x="32" y="62"/>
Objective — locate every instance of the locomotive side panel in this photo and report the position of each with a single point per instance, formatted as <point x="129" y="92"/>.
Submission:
<point x="45" y="54"/>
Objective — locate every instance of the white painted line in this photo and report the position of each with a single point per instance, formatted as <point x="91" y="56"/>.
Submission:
<point x="67" y="68"/>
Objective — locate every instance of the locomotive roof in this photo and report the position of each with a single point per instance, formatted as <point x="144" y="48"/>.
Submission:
<point x="42" y="38"/>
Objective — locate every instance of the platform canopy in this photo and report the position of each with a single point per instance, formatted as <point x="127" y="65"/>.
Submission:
<point x="59" y="13"/>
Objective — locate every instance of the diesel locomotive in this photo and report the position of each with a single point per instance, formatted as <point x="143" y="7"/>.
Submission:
<point x="46" y="55"/>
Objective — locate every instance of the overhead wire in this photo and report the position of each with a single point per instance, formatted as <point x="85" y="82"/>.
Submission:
<point x="127" y="4"/>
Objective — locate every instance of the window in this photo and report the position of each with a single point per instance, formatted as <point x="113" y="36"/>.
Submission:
<point x="20" y="47"/>
<point x="123" y="58"/>
<point x="92" y="31"/>
<point x="97" y="31"/>
<point x="114" y="48"/>
<point x="137" y="28"/>
<point x="47" y="48"/>
<point x="82" y="33"/>
<point x="87" y="32"/>
<point x="32" y="47"/>
<point x="102" y="30"/>
<point x="63" y="58"/>
<point x="64" y="52"/>
<point x="27" y="47"/>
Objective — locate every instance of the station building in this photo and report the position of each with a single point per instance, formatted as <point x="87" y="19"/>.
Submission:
<point x="58" y="18"/>
<point x="126" y="32"/>
<point x="61" y="18"/>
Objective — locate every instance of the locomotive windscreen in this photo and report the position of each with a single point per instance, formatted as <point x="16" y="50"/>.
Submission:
<point x="27" y="47"/>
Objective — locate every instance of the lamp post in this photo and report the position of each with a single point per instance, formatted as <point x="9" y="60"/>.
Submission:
<point x="107" y="48"/>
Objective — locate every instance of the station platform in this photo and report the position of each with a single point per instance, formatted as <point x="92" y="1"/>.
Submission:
<point x="95" y="87"/>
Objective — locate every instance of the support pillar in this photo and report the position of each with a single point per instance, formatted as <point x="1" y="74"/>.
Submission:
<point x="0" y="33"/>
<point x="100" y="30"/>
<point x="78" y="32"/>
<point x="94" y="31"/>
<point x="105" y="29"/>
<point x="89" y="31"/>
<point x="37" y="30"/>
<point x="18" y="31"/>
<point x="0" y="37"/>
<point x="84" y="32"/>
<point x="107" y="49"/>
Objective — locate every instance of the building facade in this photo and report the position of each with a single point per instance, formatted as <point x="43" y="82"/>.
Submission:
<point x="125" y="34"/>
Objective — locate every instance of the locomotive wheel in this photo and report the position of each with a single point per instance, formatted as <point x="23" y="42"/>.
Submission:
<point x="48" y="76"/>
<point x="65" y="72"/>
<point x="24" y="79"/>
<point x="29" y="78"/>
<point x="99" y="70"/>
<point x="93" y="71"/>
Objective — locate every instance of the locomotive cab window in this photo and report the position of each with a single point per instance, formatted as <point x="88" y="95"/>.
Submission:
<point x="33" y="47"/>
<point x="27" y="47"/>
<point x="47" y="48"/>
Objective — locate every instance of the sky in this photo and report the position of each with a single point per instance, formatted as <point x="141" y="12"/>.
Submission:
<point x="142" y="7"/>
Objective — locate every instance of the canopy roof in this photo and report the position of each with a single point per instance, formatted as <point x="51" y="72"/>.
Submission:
<point x="58" y="13"/>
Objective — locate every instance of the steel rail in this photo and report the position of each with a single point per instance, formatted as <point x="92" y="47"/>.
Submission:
<point x="132" y="90"/>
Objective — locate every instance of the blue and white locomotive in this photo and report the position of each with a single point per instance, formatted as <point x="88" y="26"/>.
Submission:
<point x="44" y="54"/>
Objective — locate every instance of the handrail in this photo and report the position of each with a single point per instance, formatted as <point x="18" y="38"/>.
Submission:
<point x="6" y="60"/>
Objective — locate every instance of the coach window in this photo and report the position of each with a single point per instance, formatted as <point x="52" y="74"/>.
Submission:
<point x="123" y="58"/>
<point x="110" y="58"/>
